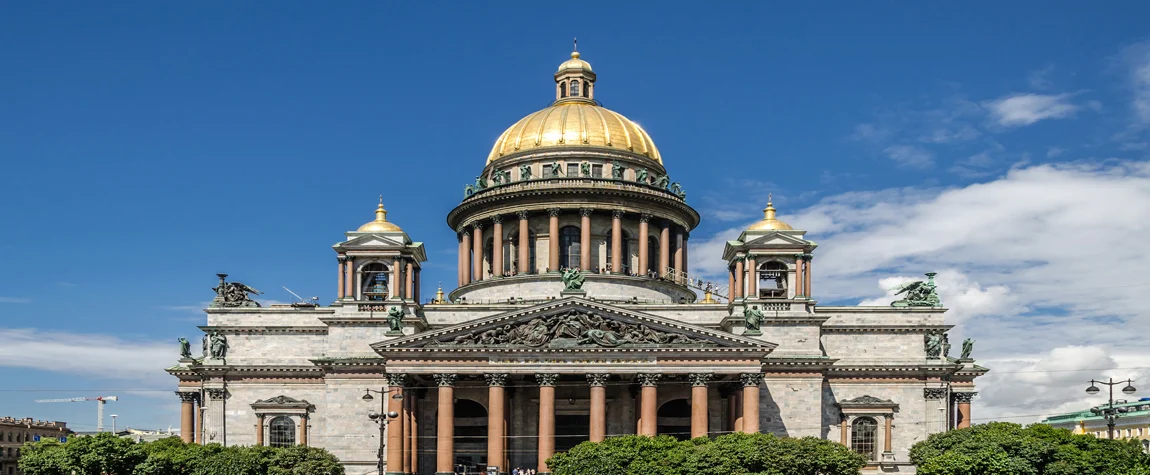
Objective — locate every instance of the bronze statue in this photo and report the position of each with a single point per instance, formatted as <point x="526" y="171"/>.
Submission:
<point x="497" y="178"/>
<point x="641" y="176"/>
<point x="753" y="318"/>
<point x="662" y="181"/>
<point x="945" y="345"/>
<point x="524" y="172"/>
<point x="585" y="169"/>
<point x="468" y="190"/>
<point x="967" y="346"/>
<point x="933" y="342"/>
<point x="554" y="169"/>
<point x="480" y="183"/>
<point x="617" y="170"/>
<point x="233" y="294"/>
<point x="919" y="293"/>
<point x="219" y="346"/>
<point x="573" y="279"/>
<point x="185" y="349"/>
<point x="677" y="189"/>
<point x="395" y="320"/>
<point x="207" y="346"/>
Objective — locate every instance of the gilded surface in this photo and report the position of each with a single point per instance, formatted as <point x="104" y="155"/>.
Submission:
<point x="579" y="124"/>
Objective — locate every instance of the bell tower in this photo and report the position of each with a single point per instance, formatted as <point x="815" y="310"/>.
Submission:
<point x="770" y="264"/>
<point x="575" y="81"/>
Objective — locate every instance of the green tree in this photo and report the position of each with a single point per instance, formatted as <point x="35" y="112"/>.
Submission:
<point x="1002" y="448"/>
<point x="44" y="458"/>
<point x="758" y="454"/>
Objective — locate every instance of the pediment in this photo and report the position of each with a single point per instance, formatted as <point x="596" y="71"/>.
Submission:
<point x="776" y="239"/>
<point x="281" y="402"/>
<point x="572" y="324"/>
<point x="373" y="240"/>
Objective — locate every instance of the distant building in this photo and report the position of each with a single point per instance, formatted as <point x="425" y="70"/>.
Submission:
<point x="140" y="435"/>
<point x="1133" y="424"/>
<point x="14" y="432"/>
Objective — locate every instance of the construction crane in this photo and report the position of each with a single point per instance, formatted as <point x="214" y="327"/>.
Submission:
<point x="100" y="401"/>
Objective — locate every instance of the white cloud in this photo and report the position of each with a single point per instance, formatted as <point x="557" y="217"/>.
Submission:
<point x="1025" y="109"/>
<point x="1045" y="256"/>
<point x="92" y="355"/>
<point x="14" y="300"/>
<point x="910" y="156"/>
<point x="1137" y="59"/>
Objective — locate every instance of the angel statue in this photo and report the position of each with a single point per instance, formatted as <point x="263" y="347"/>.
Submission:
<point x="918" y="293"/>
<point x="617" y="170"/>
<point x="185" y="349"/>
<point x="585" y="169"/>
<point x="524" y="172"/>
<point x="233" y="294"/>
<point x="641" y="176"/>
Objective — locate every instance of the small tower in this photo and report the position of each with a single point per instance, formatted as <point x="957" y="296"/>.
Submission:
<point x="575" y="81"/>
<point x="770" y="263"/>
<point x="379" y="262"/>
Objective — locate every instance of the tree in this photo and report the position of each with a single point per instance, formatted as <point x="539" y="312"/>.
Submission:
<point x="759" y="454"/>
<point x="1002" y="448"/>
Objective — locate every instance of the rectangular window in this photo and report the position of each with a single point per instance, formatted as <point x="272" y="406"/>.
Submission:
<point x="547" y="171"/>
<point x="597" y="171"/>
<point x="572" y="169"/>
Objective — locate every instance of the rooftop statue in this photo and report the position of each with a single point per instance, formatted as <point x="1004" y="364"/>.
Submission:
<point x="967" y="346"/>
<point x="185" y="349"/>
<point x="641" y="176"/>
<point x="219" y="345"/>
<point x="945" y="346"/>
<point x="524" y="172"/>
<point x="662" y="181"/>
<point x="753" y="318"/>
<point x="233" y="294"/>
<point x="468" y="190"/>
<point x="677" y="189"/>
<point x="918" y="293"/>
<point x="497" y="178"/>
<point x="395" y="321"/>
<point x="573" y="279"/>
<point x="933" y="343"/>
<point x="617" y="170"/>
<point x="554" y="169"/>
<point x="585" y="169"/>
<point x="480" y="183"/>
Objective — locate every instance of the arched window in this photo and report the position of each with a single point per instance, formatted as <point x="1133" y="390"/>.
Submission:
<point x="625" y="256"/>
<point x="864" y="432"/>
<point x="374" y="281"/>
<point x="281" y="432"/>
<point x="562" y="90"/>
<point x="773" y="280"/>
<point x="569" y="247"/>
<point x="653" y="256"/>
<point x="575" y="88"/>
<point x="674" y="419"/>
<point x="586" y="89"/>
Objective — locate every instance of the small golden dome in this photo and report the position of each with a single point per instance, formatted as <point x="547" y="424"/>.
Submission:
<point x="769" y="222"/>
<point x="574" y="63"/>
<point x="380" y="225"/>
<point x="575" y="124"/>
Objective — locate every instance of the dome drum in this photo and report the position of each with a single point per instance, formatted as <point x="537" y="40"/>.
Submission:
<point x="538" y="288"/>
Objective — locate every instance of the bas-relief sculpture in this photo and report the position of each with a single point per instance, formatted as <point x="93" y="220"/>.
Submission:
<point x="233" y="294"/>
<point x="918" y="293"/>
<point x="571" y="329"/>
<point x="573" y="279"/>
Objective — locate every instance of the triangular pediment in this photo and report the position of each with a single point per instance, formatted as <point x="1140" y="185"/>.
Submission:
<point x="374" y="241"/>
<point x="572" y="324"/>
<point x="775" y="239"/>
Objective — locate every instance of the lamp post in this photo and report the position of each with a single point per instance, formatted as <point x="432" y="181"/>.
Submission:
<point x="382" y="418"/>
<point x="114" y="416"/>
<point x="1110" y="412"/>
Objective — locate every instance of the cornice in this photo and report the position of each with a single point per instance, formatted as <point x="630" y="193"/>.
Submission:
<point x="269" y="329"/>
<point x="878" y="309"/>
<point x="866" y="328"/>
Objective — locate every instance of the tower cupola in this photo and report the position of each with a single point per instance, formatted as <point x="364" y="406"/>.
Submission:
<point x="575" y="81"/>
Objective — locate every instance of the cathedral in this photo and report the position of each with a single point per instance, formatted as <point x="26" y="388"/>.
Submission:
<point x="575" y="317"/>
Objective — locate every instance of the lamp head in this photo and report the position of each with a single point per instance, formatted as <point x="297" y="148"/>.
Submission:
<point x="368" y="397"/>
<point x="1129" y="389"/>
<point x="373" y="415"/>
<point x="1092" y="390"/>
<point x="393" y="414"/>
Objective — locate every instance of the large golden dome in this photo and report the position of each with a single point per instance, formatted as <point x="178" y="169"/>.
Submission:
<point x="575" y="123"/>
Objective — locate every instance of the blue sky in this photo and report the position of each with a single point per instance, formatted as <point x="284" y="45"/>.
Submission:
<point x="147" y="146"/>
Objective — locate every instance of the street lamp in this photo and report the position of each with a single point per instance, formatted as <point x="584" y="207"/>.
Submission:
<point x="382" y="418"/>
<point x="1110" y="412"/>
<point x="114" y="416"/>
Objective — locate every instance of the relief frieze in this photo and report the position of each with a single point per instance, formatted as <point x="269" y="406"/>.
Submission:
<point x="572" y="329"/>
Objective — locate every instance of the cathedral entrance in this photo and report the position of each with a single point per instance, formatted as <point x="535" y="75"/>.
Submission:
<point x="570" y="430"/>
<point x="674" y="419"/>
<point x="470" y="436"/>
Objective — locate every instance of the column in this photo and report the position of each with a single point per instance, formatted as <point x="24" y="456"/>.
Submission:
<point x="217" y="408"/>
<point x="553" y="240"/>
<point x="598" y="425"/>
<point x="350" y="291"/>
<point x="395" y="282"/>
<point x="644" y="228"/>
<point x="461" y="262"/>
<point x="259" y="429"/>
<point x="410" y="271"/>
<point x="736" y="409"/>
<point x="648" y="407"/>
<point x="477" y="252"/>
<point x="807" y="276"/>
<point x="963" y="400"/>
<point x="187" y="415"/>
<point x="886" y="444"/>
<point x="678" y="255"/>
<point x="752" y="277"/>
<point x="844" y="432"/>
<point x="495" y="407"/>
<point x="617" y="242"/>
<point x="546" y="419"/>
<point x="302" y="429"/>
<point x="342" y="260"/>
<point x="751" y="382"/>
<point x="686" y="257"/>
<point x="585" y="239"/>
<point x="417" y="294"/>
<point x="409" y="396"/>
<point x="799" y="285"/>
<point x="497" y="246"/>
<point x="445" y="430"/>
<point x="395" y="382"/>
<point x="730" y="284"/>
<point x="699" y="383"/>
<point x="198" y="434"/>
<point x="524" y="243"/>
<point x="415" y="432"/>
<point x="739" y="274"/>
<point x="664" y="249"/>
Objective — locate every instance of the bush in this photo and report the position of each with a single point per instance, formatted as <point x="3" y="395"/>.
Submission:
<point x="1002" y="448"/>
<point x="733" y="454"/>
<point x="106" y="454"/>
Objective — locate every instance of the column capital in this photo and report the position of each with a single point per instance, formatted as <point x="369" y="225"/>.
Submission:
<point x="546" y="379"/>
<point x="478" y="225"/>
<point x="964" y="397"/>
<point x="465" y="232"/>
<point x="934" y="394"/>
<point x="800" y="257"/>
<point x="700" y="379"/>
<point x="522" y="214"/>
<point x="341" y="259"/>
<point x="616" y="214"/>
<point x="649" y="379"/>
<point x="598" y="379"/>
<point x="217" y="393"/>
<point x="645" y="218"/>
<point x="396" y="379"/>
<point x="445" y="379"/>
<point x="188" y="397"/>
<point x="751" y="379"/>
<point x="808" y="257"/>
<point x="554" y="212"/>
<point x="686" y="234"/>
<point x="497" y="219"/>
<point x="496" y="379"/>
<point x="586" y="212"/>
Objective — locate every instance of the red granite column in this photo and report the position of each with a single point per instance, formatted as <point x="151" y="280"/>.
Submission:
<point x="678" y="255"/>
<point x="410" y="271"/>
<point x="730" y="284"/>
<point x="342" y="272"/>
<point x="800" y="286"/>
<point x="477" y="252"/>
<point x="751" y="382"/>
<point x="445" y="431"/>
<point x="497" y="246"/>
<point x="664" y="249"/>
<point x="350" y="291"/>
<point x="752" y="277"/>
<point x="649" y="406"/>
<point x="598" y="414"/>
<point x="466" y="261"/>
<point x="461" y="262"/>
<point x="396" y="290"/>
<point x="739" y="277"/>
<point x="644" y="242"/>
<point x="407" y="424"/>
<point x="495" y="422"/>
<point x="395" y="382"/>
<point x="302" y="429"/>
<point x="963" y="400"/>
<point x="546" y="419"/>
<point x="187" y="416"/>
<point x="524" y="243"/>
<point x="553" y="240"/>
<point x="807" y="276"/>
<point x="259" y="429"/>
<point x="617" y="242"/>
<point x="585" y="240"/>
<point x="699" y="404"/>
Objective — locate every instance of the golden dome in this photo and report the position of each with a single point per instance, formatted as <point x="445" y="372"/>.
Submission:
<point x="579" y="123"/>
<point x="380" y="225"/>
<point x="574" y="63"/>
<point x="769" y="222"/>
